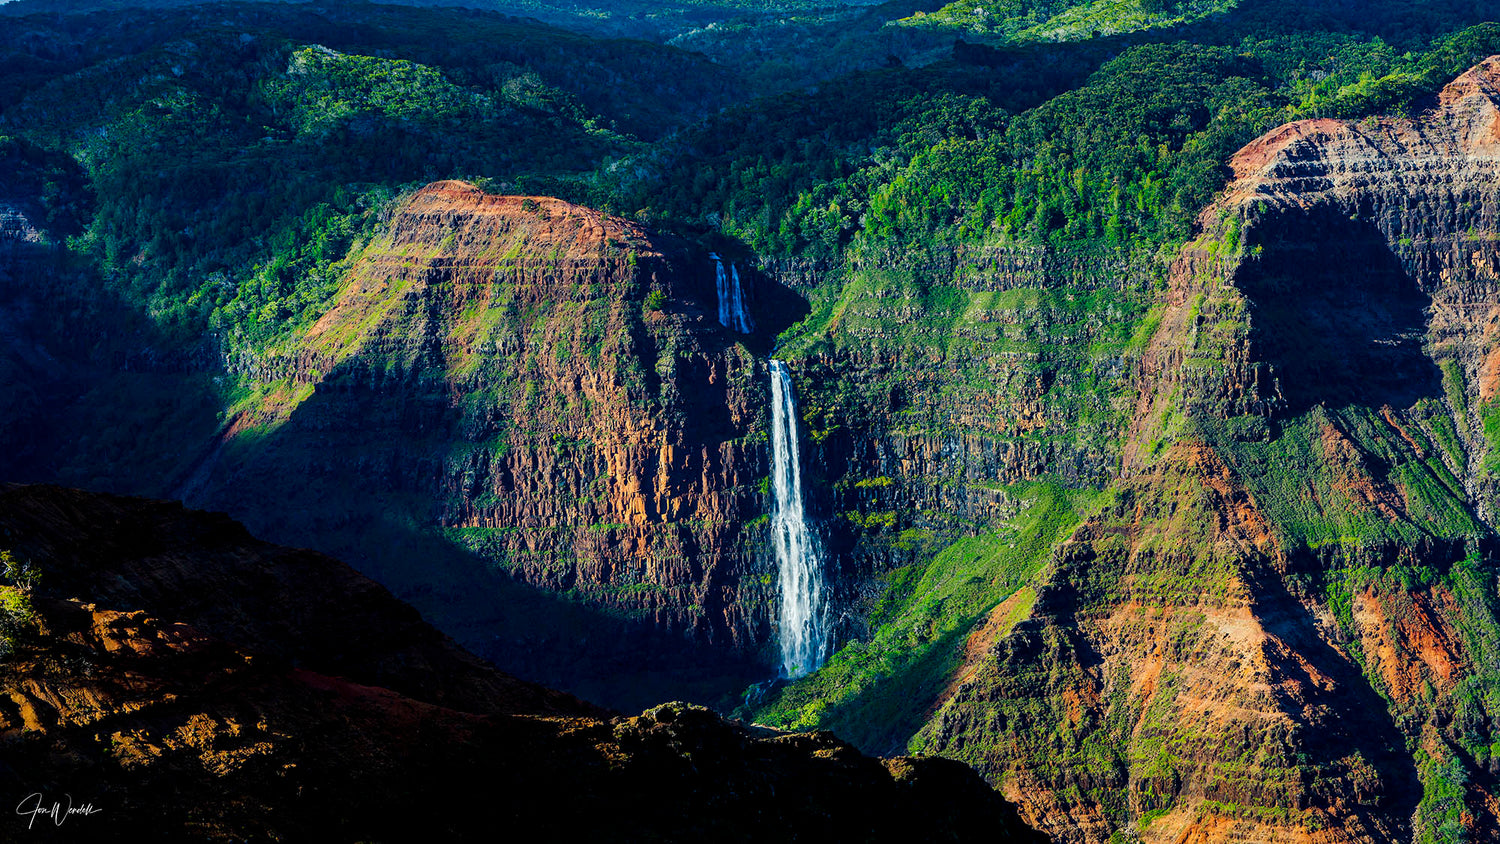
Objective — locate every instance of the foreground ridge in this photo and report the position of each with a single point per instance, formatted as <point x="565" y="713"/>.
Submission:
<point x="163" y="657"/>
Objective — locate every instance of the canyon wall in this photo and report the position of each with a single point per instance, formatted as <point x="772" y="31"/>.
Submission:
<point x="529" y="389"/>
<point x="1282" y="625"/>
<point x="936" y="392"/>
<point x="1195" y="554"/>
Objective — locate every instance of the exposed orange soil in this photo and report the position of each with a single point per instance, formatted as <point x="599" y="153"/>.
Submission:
<point x="1410" y="640"/>
<point x="1354" y="481"/>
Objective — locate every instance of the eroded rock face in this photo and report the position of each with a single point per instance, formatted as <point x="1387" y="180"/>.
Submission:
<point x="493" y="371"/>
<point x="939" y="388"/>
<point x="1360" y="266"/>
<point x="191" y="683"/>
<point x="1167" y="681"/>
<point x="1279" y="628"/>
<point x="206" y="571"/>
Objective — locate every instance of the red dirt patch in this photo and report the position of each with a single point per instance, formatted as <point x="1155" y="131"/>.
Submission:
<point x="1352" y="478"/>
<point x="1410" y="640"/>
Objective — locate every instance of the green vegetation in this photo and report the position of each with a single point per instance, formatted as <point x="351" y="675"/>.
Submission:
<point x="295" y="131"/>
<point x="1454" y="387"/>
<point x="295" y="128"/>
<point x="980" y="234"/>
<point x="878" y="692"/>
<point x="17" y="581"/>
<point x="1473" y="610"/>
<point x="1348" y="477"/>
<point x="1065" y="20"/>
<point x="17" y="573"/>
<point x="294" y="138"/>
<point x="1489" y="417"/>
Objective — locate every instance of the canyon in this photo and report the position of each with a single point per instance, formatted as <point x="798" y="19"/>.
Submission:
<point x="1261" y="614"/>
<point x="489" y="384"/>
<point x="1177" y="535"/>
<point x="1280" y="628"/>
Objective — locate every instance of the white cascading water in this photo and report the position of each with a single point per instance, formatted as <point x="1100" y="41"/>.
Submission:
<point x="737" y="303"/>
<point x="732" y="312"/>
<point x="721" y="282"/>
<point x="798" y="555"/>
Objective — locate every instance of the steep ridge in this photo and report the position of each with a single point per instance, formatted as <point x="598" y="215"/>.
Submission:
<point x="1283" y="624"/>
<point x="1378" y="232"/>
<point x="189" y="682"/>
<point x="545" y="391"/>
<point x="1167" y="682"/>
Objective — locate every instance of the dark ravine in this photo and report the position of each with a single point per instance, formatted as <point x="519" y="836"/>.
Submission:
<point x="193" y="683"/>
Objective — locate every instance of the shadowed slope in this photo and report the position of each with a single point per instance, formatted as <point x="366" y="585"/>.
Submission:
<point x="193" y="683"/>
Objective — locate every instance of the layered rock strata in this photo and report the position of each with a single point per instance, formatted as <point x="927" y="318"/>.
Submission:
<point x="1282" y="626"/>
<point x="543" y="389"/>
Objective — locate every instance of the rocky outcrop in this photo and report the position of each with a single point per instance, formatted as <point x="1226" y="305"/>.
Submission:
<point x="188" y="682"/>
<point x="1279" y="627"/>
<point x="305" y="609"/>
<point x="1167" y="682"/>
<point x="528" y="388"/>
<point x="1347" y="263"/>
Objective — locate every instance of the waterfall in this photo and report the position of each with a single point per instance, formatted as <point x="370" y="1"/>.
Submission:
<point x="737" y="303"/>
<point x="722" y="284"/>
<point x="732" y="312"/>
<point x="798" y="556"/>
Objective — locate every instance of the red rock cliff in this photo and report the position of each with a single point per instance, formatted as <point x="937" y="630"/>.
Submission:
<point x="1278" y="627"/>
<point x="492" y="375"/>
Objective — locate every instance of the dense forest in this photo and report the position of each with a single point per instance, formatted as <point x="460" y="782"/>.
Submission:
<point x="293" y="123"/>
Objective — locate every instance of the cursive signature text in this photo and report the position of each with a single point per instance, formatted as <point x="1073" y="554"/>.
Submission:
<point x="32" y="806"/>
